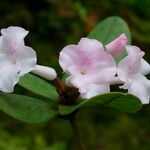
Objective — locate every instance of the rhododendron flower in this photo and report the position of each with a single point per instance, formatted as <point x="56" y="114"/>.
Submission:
<point x="89" y="66"/>
<point x="16" y="59"/>
<point x="131" y="71"/>
<point x="116" y="47"/>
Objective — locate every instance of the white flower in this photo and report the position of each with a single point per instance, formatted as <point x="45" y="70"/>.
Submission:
<point x="16" y="59"/>
<point x="131" y="71"/>
<point x="90" y="67"/>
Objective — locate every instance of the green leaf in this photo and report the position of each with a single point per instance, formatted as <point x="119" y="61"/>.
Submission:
<point x="124" y="102"/>
<point x="39" y="86"/>
<point x="25" y="108"/>
<point x="109" y="29"/>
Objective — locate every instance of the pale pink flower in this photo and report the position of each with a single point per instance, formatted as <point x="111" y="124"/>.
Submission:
<point x="131" y="71"/>
<point x="16" y="59"/>
<point x="116" y="47"/>
<point x="90" y="67"/>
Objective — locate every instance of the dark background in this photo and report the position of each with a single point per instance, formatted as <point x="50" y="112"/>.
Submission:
<point x="53" y="24"/>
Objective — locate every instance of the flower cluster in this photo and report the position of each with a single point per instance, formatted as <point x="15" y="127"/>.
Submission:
<point x="92" y="68"/>
<point x="90" y="64"/>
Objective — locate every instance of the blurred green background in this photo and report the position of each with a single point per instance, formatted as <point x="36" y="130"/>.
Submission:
<point x="52" y="25"/>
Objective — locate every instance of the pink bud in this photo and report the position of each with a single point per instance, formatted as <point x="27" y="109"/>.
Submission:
<point x="116" y="47"/>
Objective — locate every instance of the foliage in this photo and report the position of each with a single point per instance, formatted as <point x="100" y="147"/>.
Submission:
<point x="54" y="24"/>
<point x="33" y="110"/>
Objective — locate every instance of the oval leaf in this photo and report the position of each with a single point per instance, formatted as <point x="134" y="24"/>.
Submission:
<point x="25" y="108"/>
<point x="109" y="29"/>
<point x="38" y="86"/>
<point x="124" y="102"/>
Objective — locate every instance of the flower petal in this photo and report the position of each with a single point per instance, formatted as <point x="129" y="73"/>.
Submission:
<point x="144" y="67"/>
<point x="103" y="68"/>
<point x="26" y="60"/>
<point x="80" y="54"/>
<point x="95" y="89"/>
<point x="140" y="87"/>
<point x="13" y="37"/>
<point x="80" y="82"/>
<point x="68" y="57"/>
<point x="129" y="66"/>
<point x="132" y="50"/>
<point x="116" y="47"/>
<point x="90" y="46"/>
<point x="8" y="78"/>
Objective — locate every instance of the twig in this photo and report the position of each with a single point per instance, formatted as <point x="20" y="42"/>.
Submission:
<point x="77" y="133"/>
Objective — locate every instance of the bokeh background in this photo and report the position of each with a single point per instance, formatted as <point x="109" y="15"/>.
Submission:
<point x="52" y="25"/>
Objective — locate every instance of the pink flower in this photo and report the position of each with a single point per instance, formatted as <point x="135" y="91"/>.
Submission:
<point x="116" y="47"/>
<point x="90" y="67"/>
<point x="131" y="71"/>
<point x="16" y="59"/>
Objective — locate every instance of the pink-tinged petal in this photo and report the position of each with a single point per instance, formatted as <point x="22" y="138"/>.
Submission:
<point x="94" y="90"/>
<point x="90" y="46"/>
<point x="101" y="72"/>
<point x="13" y="37"/>
<point x="140" y="87"/>
<point x="68" y="57"/>
<point x="144" y="67"/>
<point x="116" y="47"/>
<point x="8" y="75"/>
<point x="129" y="66"/>
<point x="74" y="70"/>
<point x="26" y="60"/>
<point x="133" y="50"/>
<point x="80" y="54"/>
<point x="142" y="94"/>
<point x="102" y="69"/>
<point x="81" y="82"/>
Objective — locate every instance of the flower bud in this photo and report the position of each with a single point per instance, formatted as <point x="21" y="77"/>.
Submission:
<point x="45" y="72"/>
<point x="116" y="47"/>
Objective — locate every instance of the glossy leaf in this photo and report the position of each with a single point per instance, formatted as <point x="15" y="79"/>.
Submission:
<point x="25" y="108"/>
<point x="109" y="29"/>
<point x="117" y="100"/>
<point x="39" y="86"/>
